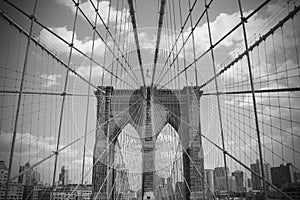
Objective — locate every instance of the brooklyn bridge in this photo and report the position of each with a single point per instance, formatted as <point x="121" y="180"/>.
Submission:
<point x="149" y="99"/>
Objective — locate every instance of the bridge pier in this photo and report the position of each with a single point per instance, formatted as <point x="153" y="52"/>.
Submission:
<point x="179" y="108"/>
<point x="148" y="146"/>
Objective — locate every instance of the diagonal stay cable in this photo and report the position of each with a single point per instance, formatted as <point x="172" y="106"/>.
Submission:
<point x="43" y="47"/>
<point x="66" y="42"/>
<point x="181" y="29"/>
<point x="136" y="38"/>
<point x="191" y="33"/>
<point x="261" y="39"/>
<point x="113" y="39"/>
<point x="71" y="143"/>
<point x="221" y="39"/>
<point x="106" y="44"/>
<point x="112" y="140"/>
<point x="178" y="36"/>
<point x="160" y="23"/>
<point x="234" y="158"/>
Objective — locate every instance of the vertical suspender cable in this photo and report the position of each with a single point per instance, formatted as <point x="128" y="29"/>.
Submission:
<point x="88" y="104"/>
<point x="105" y="49"/>
<point x="19" y="100"/>
<point x="64" y="96"/>
<point x="194" y="47"/>
<point x="217" y="90"/>
<point x="182" y="38"/>
<point x="243" y="20"/>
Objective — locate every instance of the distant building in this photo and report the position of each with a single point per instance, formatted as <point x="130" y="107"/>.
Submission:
<point x="15" y="191"/>
<point x="209" y="186"/>
<point x="70" y="192"/>
<point x="42" y="192"/>
<point x="257" y="183"/>
<point x="239" y="179"/>
<point x="180" y="190"/>
<point x="28" y="175"/>
<point x="283" y="175"/>
<point x="221" y="172"/>
<point x="297" y="177"/>
<point x="86" y="192"/>
<point x="63" y="195"/>
<point x="3" y="173"/>
<point x="128" y="195"/>
<point x="63" y="176"/>
<point x="292" y="190"/>
<point x="249" y="184"/>
<point x="28" y="192"/>
<point x="221" y="185"/>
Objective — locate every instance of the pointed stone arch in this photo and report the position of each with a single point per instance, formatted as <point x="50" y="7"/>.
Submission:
<point x="129" y="145"/>
<point x="179" y="108"/>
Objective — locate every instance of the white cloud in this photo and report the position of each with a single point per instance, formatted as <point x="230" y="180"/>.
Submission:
<point x="88" y="9"/>
<point x="28" y="144"/>
<point x="24" y="141"/>
<point x="224" y="22"/>
<point x="219" y="27"/>
<point x="84" y="71"/>
<point x="34" y="148"/>
<point x="50" y="79"/>
<point x="56" y="44"/>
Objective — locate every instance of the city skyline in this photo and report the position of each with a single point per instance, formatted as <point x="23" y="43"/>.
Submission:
<point x="150" y="97"/>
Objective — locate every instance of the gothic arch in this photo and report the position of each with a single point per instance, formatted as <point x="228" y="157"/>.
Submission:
<point x="157" y="108"/>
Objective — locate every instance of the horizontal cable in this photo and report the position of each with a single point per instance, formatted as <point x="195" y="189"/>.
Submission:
<point x="67" y="43"/>
<point x="71" y="143"/>
<point x="219" y="41"/>
<point x="180" y="33"/>
<point x="234" y="158"/>
<point x="106" y="44"/>
<point x="43" y="93"/>
<point x="261" y="39"/>
<point x="22" y="30"/>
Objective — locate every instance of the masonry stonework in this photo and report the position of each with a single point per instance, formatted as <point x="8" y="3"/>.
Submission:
<point x="148" y="110"/>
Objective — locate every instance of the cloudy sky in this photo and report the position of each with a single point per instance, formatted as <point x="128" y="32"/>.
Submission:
<point x="40" y="114"/>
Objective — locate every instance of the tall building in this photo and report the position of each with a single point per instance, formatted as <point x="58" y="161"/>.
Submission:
<point x="221" y="185"/>
<point x="239" y="179"/>
<point x="221" y="172"/>
<point x="257" y="183"/>
<point x="122" y="181"/>
<point x="209" y="186"/>
<point x="15" y="192"/>
<point x="63" y="176"/>
<point x="29" y="176"/>
<point x="249" y="184"/>
<point x="283" y="175"/>
<point x="3" y="172"/>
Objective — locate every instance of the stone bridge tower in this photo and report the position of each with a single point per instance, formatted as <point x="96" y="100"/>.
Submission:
<point x="148" y="110"/>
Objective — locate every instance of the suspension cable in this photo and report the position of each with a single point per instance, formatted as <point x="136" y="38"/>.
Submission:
<point x="297" y="8"/>
<point x="66" y="42"/>
<point x="159" y="29"/>
<point x="136" y="37"/>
